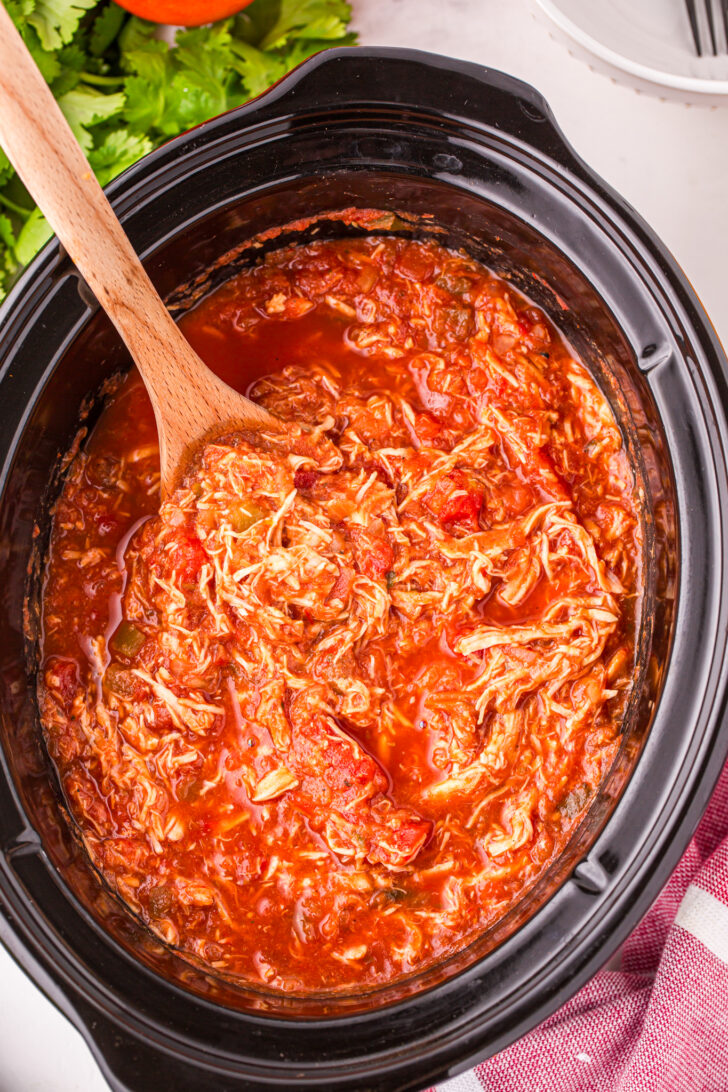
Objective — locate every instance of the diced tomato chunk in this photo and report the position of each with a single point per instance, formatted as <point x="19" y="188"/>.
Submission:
<point x="463" y="508"/>
<point x="62" y="676"/>
<point x="305" y="479"/>
<point x="187" y="557"/>
<point x="342" y="584"/>
<point x="373" y="551"/>
<point x="415" y="262"/>
<point x="456" y="500"/>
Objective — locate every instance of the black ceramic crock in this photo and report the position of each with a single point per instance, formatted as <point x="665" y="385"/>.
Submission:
<point x="481" y="155"/>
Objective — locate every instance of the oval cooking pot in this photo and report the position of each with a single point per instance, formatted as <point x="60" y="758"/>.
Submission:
<point x="475" y="157"/>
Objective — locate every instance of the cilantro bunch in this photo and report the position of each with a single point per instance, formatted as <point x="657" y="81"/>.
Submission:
<point x="124" y="91"/>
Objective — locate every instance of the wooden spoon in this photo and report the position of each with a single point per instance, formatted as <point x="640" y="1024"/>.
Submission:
<point x="190" y="403"/>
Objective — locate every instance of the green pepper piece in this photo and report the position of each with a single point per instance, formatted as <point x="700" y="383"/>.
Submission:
<point x="244" y="516"/>
<point x="127" y="639"/>
<point x="454" y="285"/>
<point x="119" y="680"/>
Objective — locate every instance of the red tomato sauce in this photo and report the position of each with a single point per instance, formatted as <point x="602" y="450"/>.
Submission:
<point x="334" y="707"/>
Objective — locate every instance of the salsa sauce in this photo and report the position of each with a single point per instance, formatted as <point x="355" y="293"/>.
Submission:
<point x="330" y="712"/>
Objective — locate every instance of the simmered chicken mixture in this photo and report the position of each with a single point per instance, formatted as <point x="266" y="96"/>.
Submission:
<point x="330" y="710"/>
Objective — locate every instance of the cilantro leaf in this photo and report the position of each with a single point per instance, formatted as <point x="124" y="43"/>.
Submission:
<point x="84" y="107"/>
<point x="6" y="168"/>
<point x="8" y="264"/>
<point x="145" y="102"/>
<point x="170" y="90"/>
<point x="35" y="232"/>
<point x="150" y="60"/>
<point x="47" y="61"/>
<point x="190" y="99"/>
<point x="106" y="26"/>
<point x="19" y="10"/>
<point x="136" y="34"/>
<point x="205" y="50"/>
<point x="71" y="61"/>
<point x="199" y="87"/>
<point x="117" y="151"/>
<point x="304" y="48"/>
<point x="257" y="69"/>
<point x="7" y="235"/>
<point x="322" y="19"/>
<point x="56" y="20"/>
<point x="255" y="21"/>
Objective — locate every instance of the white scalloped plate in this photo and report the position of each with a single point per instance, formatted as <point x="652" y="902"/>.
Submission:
<point x="649" y="40"/>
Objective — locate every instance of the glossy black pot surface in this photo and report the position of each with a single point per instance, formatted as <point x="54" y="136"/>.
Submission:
<point x="480" y="154"/>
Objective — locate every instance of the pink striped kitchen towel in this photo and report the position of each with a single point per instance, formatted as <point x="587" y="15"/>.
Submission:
<point x="660" y="1022"/>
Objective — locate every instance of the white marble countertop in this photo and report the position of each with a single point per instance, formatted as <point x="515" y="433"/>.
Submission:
<point x="668" y="159"/>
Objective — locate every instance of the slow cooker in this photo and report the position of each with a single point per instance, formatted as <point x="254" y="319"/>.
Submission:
<point x="476" y="158"/>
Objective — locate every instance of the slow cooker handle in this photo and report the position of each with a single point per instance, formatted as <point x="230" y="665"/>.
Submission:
<point x="468" y="93"/>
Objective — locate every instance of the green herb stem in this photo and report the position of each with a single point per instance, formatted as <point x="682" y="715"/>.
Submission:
<point x="101" y="81"/>
<point x="17" y="209"/>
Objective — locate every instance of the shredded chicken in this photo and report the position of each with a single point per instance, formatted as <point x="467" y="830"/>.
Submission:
<point x="340" y="700"/>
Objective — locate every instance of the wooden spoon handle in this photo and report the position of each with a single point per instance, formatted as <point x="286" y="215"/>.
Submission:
<point x="188" y="400"/>
<point x="41" y="146"/>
